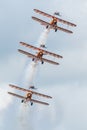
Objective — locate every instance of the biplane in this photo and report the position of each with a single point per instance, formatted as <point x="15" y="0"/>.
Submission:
<point x="28" y="97"/>
<point x="53" y="23"/>
<point x="39" y="54"/>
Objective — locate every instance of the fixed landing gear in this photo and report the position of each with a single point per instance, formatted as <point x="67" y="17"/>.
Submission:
<point x="42" y="62"/>
<point x="33" y="59"/>
<point x="55" y="30"/>
<point x="47" y="26"/>
<point x="31" y="103"/>
<point x="22" y="101"/>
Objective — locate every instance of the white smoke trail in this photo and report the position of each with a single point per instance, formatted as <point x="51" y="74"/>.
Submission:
<point x="5" y="99"/>
<point x="32" y="67"/>
<point x="43" y="38"/>
<point x="30" y="74"/>
<point x="25" y="111"/>
<point x="25" y="117"/>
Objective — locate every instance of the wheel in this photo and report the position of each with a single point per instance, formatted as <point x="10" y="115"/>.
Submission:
<point x="42" y="62"/>
<point x="33" y="59"/>
<point x="55" y="30"/>
<point x="47" y="26"/>
<point x="22" y="101"/>
<point x="31" y="103"/>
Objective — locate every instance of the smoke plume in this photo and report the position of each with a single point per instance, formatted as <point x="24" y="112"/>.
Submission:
<point x="5" y="98"/>
<point x="43" y="37"/>
<point x="30" y="72"/>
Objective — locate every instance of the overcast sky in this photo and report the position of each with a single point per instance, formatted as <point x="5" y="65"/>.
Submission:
<point x="66" y="83"/>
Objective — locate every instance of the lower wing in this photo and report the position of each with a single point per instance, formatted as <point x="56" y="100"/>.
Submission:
<point x="40" y="102"/>
<point x="39" y="49"/>
<point x="16" y="95"/>
<point x="62" y="29"/>
<point x="40" y="21"/>
<point x="26" y="100"/>
<point x="51" y="26"/>
<point x="40" y="59"/>
<point x="50" y="61"/>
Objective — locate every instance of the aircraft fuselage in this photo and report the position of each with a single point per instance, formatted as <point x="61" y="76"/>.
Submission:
<point x="39" y="54"/>
<point x="53" y="22"/>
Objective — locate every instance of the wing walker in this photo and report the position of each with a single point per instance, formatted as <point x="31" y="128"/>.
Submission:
<point x="39" y="54"/>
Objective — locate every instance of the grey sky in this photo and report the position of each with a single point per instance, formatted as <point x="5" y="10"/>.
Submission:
<point x="66" y="83"/>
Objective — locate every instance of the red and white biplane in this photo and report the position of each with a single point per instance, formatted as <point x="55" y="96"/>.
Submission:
<point x="53" y="23"/>
<point x="39" y="54"/>
<point x="28" y="97"/>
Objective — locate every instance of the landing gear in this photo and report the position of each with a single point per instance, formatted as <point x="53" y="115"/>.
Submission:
<point x="56" y="30"/>
<point x="33" y="59"/>
<point x="31" y="103"/>
<point x="22" y="101"/>
<point x="47" y="26"/>
<point x="42" y="62"/>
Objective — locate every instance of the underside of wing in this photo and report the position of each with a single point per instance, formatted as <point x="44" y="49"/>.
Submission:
<point x="50" y="61"/>
<point x="39" y="49"/>
<point x="58" y="19"/>
<point x="64" y="30"/>
<point x="39" y="59"/>
<point x="66" y="22"/>
<point x="40" y="21"/>
<point x="43" y="13"/>
<point x="26" y="90"/>
<point x="19" y="88"/>
<point x="22" y="97"/>
<point x="51" y="26"/>
<point x="29" y="46"/>
<point x="40" y="102"/>
<point x="16" y="95"/>
<point x="27" y="53"/>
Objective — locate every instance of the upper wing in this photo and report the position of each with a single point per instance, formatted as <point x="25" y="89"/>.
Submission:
<point x="16" y="95"/>
<point x="51" y="26"/>
<point x="19" y="96"/>
<point x="51" y="16"/>
<point x="26" y="90"/>
<point x="39" y="59"/>
<point x="39" y="49"/>
<point x="43" y="13"/>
